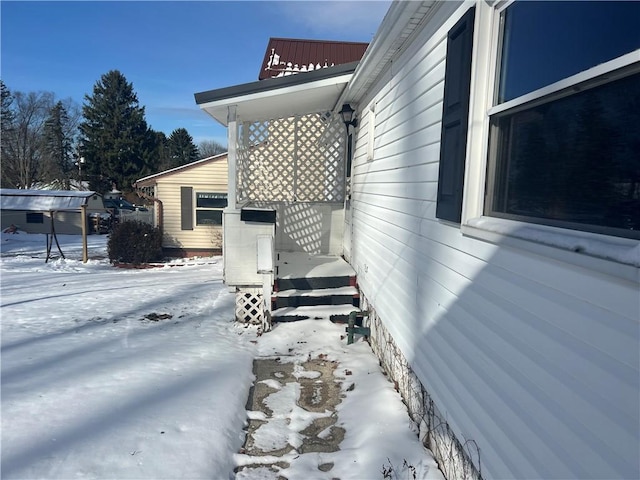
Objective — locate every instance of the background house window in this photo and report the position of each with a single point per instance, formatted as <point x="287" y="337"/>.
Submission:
<point x="209" y="207"/>
<point x="33" y="217"/>
<point x="568" y="157"/>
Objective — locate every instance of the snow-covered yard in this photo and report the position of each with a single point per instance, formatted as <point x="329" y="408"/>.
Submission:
<point x="111" y="373"/>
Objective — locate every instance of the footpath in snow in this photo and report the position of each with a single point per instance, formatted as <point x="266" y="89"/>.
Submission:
<point x="110" y="373"/>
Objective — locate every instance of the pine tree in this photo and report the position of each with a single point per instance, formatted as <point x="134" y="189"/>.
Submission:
<point x="7" y="118"/>
<point x="116" y="141"/>
<point x="161" y="152"/>
<point x="57" y="148"/>
<point x="182" y="150"/>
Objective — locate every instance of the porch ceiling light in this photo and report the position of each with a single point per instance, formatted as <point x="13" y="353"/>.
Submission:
<point x="348" y="116"/>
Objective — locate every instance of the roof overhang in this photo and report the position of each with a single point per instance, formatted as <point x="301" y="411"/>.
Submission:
<point x="282" y="97"/>
<point x="396" y="32"/>
<point x="151" y="180"/>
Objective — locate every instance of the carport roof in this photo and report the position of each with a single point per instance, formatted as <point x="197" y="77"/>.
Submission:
<point x="43" y="200"/>
<point x="282" y="97"/>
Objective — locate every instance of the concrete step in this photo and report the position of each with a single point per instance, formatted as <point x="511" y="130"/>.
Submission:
<point x="313" y="283"/>
<point x="324" y="296"/>
<point x="335" y="313"/>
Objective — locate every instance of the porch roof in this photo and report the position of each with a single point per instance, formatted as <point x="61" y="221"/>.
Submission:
<point x="279" y="97"/>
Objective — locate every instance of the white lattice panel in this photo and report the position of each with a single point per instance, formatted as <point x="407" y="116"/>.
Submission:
<point x="292" y="159"/>
<point x="249" y="306"/>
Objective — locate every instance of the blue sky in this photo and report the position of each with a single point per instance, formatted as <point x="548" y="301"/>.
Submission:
<point x="169" y="50"/>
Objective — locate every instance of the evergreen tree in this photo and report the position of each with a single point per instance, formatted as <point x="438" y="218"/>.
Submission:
<point x="116" y="141"/>
<point x="182" y="150"/>
<point x="6" y="114"/>
<point x="6" y="132"/>
<point x="161" y="152"/>
<point x="57" y="148"/>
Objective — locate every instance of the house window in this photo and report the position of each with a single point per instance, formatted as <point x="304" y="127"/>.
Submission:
<point x="564" y="139"/>
<point x="33" y="217"/>
<point x="209" y="207"/>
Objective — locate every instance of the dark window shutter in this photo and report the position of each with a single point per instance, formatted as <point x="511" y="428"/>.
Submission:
<point x="186" y="208"/>
<point x="453" y="140"/>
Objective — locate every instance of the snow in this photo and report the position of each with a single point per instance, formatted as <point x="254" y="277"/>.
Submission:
<point x="300" y="265"/>
<point x="143" y="374"/>
<point x="619" y="250"/>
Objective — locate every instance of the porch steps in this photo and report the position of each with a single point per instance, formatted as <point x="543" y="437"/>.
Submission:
<point x="335" y="313"/>
<point x="320" y="296"/>
<point x="314" y="287"/>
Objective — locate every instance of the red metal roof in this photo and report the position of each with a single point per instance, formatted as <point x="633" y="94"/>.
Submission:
<point x="285" y="56"/>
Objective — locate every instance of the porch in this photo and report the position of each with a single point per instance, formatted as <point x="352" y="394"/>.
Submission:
<point x="284" y="224"/>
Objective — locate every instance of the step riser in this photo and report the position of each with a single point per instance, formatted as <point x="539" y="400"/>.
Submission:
<point x="295" y="318"/>
<point x="282" y="284"/>
<point x="306" y="301"/>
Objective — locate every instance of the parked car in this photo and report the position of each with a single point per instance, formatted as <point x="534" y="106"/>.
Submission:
<point x="118" y="204"/>
<point x="118" y="207"/>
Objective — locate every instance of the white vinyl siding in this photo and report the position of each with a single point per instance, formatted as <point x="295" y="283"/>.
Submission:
<point x="535" y="359"/>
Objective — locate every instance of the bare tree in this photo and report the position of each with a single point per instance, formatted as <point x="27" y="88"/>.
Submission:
<point x="22" y="151"/>
<point x="209" y="148"/>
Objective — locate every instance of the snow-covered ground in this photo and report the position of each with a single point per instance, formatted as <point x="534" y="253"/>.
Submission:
<point x="111" y="373"/>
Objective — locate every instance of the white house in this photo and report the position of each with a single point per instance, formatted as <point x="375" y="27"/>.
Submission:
<point x="491" y="213"/>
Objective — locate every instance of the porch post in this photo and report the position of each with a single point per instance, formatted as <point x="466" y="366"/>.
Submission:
<point x="232" y="156"/>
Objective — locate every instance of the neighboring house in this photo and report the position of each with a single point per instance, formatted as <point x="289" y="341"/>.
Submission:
<point x="46" y="211"/>
<point x="491" y="213"/>
<point x="189" y="201"/>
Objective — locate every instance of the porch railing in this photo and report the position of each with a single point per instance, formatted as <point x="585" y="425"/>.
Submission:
<point x="295" y="159"/>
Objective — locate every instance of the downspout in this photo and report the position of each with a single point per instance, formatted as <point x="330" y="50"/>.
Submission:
<point x="157" y="201"/>
<point x="232" y="157"/>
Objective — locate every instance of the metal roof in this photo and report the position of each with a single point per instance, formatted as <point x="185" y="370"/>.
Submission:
<point x="43" y="200"/>
<point x="286" y="56"/>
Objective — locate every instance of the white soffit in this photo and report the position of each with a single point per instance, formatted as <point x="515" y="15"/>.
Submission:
<point x="300" y="99"/>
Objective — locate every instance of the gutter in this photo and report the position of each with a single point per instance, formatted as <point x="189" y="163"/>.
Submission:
<point x="159" y="211"/>
<point x="402" y="20"/>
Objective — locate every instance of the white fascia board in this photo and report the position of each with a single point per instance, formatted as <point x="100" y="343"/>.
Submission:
<point x="280" y="101"/>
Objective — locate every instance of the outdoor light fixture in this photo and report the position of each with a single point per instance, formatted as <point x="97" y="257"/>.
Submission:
<point x="348" y="116"/>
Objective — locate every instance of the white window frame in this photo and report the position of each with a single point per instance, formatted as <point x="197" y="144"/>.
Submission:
<point x="613" y="255"/>
<point x="217" y="209"/>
